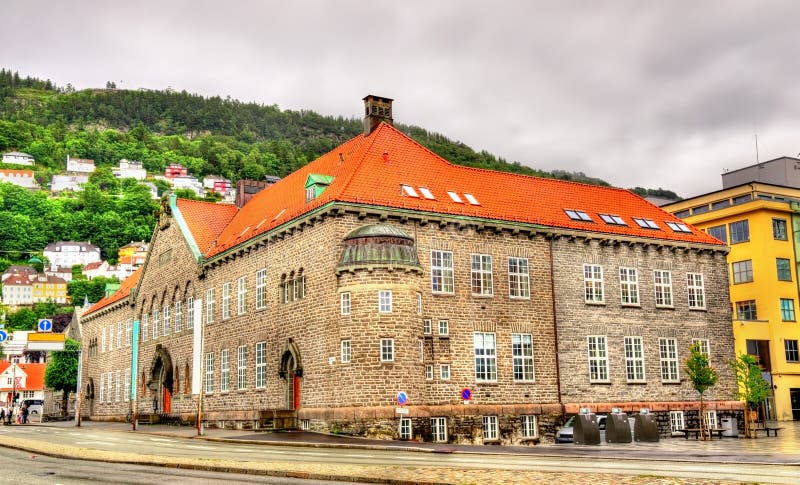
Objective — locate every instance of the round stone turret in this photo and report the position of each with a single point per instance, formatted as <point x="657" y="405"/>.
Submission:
<point x="379" y="246"/>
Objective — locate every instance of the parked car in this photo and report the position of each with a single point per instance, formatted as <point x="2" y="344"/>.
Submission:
<point x="34" y="407"/>
<point x="565" y="433"/>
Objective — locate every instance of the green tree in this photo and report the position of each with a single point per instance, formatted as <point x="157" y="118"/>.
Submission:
<point x="22" y="319"/>
<point x="752" y="388"/>
<point x="702" y="376"/>
<point x="62" y="372"/>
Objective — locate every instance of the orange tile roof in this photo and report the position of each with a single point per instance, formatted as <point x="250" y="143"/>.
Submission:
<point x="370" y="170"/>
<point x="124" y="290"/>
<point x="206" y="220"/>
<point x="34" y="381"/>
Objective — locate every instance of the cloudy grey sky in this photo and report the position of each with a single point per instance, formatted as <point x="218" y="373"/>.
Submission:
<point x="639" y="93"/>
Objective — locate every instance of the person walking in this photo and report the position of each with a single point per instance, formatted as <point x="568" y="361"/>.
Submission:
<point x="24" y="414"/>
<point x="3" y="415"/>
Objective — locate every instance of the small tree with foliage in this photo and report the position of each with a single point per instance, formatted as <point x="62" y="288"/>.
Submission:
<point x="702" y="376"/>
<point x="62" y="372"/>
<point x="752" y="388"/>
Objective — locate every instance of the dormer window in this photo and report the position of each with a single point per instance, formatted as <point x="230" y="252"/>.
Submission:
<point x="679" y="227"/>
<point x="316" y="184"/>
<point x="409" y="191"/>
<point x="471" y="199"/>
<point x="646" y="223"/>
<point x="454" y="196"/>
<point x="578" y="215"/>
<point x="612" y="220"/>
<point x="427" y="193"/>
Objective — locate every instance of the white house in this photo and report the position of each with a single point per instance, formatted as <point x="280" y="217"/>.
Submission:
<point x="130" y="169"/>
<point x="18" y="158"/>
<point x="70" y="253"/>
<point x="22" y="178"/>
<point x="74" y="183"/>
<point x="80" y="165"/>
<point x="188" y="182"/>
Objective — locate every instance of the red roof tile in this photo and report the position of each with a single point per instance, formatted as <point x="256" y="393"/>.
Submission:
<point x="371" y="170"/>
<point x="206" y="220"/>
<point x="124" y="290"/>
<point x="34" y="380"/>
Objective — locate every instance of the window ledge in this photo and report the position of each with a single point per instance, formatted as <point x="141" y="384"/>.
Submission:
<point x="637" y="383"/>
<point x="604" y="383"/>
<point x="665" y="307"/>
<point x="631" y="305"/>
<point x="480" y="295"/>
<point x="698" y="309"/>
<point x="595" y="303"/>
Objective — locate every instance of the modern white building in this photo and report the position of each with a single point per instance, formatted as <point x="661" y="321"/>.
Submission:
<point x="80" y="165"/>
<point x="130" y="169"/>
<point x="18" y="158"/>
<point x="188" y="182"/>
<point x="22" y="178"/>
<point x="70" y="253"/>
<point x="75" y="183"/>
<point x="17" y="290"/>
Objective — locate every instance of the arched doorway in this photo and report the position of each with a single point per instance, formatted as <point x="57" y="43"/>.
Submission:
<point x="161" y="381"/>
<point x="291" y="371"/>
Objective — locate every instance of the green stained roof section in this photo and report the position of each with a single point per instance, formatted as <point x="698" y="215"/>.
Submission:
<point x="317" y="179"/>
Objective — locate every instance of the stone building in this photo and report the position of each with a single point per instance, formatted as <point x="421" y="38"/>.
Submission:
<point x="379" y="290"/>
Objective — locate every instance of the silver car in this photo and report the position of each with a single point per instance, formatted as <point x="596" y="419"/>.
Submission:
<point x="565" y="433"/>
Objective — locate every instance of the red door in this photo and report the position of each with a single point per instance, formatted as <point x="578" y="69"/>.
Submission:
<point x="296" y="390"/>
<point x="167" y="400"/>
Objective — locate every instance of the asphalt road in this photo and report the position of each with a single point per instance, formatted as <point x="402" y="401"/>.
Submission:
<point x="96" y="440"/>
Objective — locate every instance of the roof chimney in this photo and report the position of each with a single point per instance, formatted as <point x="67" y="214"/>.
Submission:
<point x="376" y="109"/>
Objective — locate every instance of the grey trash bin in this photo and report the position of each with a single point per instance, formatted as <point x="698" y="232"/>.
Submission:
<point x="730" y="425"/>
<point x="585" y="430"/>
<point x="645" y="428"/>
<point x="617" y="428"/>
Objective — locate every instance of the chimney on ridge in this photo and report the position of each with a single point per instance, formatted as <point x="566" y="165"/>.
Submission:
<point x="376" y="109"/>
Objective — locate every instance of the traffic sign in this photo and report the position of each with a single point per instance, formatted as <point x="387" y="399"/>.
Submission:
<point x="402" y="398"/>
<point x="466" y="394"/>
<point x="45" y="325"/>
<point x="3" y="335"/>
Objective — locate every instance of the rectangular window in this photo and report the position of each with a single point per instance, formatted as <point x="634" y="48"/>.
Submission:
<point x="530" y="427"/>
<point x="404" y="432"/>
<point x="145" y="326"/>
<point x="490" y="427"/>
<point x="427" y="326"/>
<point x="784" y="269"/>
<point x="662" y="281"/>
<point x="261" y="365"/>
<point x="111" y="338"/>
<point x="522" y="356"/>
<point x="429" y="372"/>
<point x="209" y="372"/>
<point x="128" y="332"/>
<point x="421" y="350"/>
<point x="190" y="313"/>
<point x="117" y="387"/>
<point x="719" y="232"/>
<point x="110" y="383"/>
<point x="740" y="232"/>
<point x="519" y="284"/>
<point x="439" y="430"/>
<point x="166" y="321"/>
<point x="102" y="386"/>
<point x="385" y="301"/>
<point x="676" y="423"/>
<point x="629" y="286"/>
<point x="156" y="322"/>
<point x="790" y="346"/>
<point x="634" y="359"/>
<point x="178" y="316"/>
<point x="481" y="275"/>
<point x="226" y="301"/>
<point x="261" y="289"/>
<point x="224" y="371"/>
<point x="444" y="372"/>
<point x="346" y="352"/>
<point x="103" y="340"/>
<point x="241" y="296"/>
<point x="126" y="385"/>
<point x="387" y="350"/>
<point x="593" y="283"/>
<point x="704" y="346"/>
<point x="711" y="419"/>
<point x="743" y="271"/>
<point x="119" y="335"/>
<point x="209" y="305"/>
<point x="787" y="310"/>
<point x="344" y="303"/>
<point x="485" y="356"/>
<point x="419" y="303"/>
<point x="444" y="328"/>
<point x="696" y="290"/>
<point x="746" y="310"/>
<point x="779" y="229"/>
<point x="598" y="358"/>
<point x="241" y="367"/>
<point x="442" y="272"/>
<point x="668" y="352"/>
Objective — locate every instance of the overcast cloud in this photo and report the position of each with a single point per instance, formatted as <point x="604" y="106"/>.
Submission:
<point x="652" y="94"/>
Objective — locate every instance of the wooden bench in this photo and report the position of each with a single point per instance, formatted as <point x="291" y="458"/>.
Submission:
<point x="767" y="430"/>
<point x="696" y="432"/>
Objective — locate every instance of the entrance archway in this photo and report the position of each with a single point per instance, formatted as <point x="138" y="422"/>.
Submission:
<point x="161" y="381"/>
<point x="291" y="371"/>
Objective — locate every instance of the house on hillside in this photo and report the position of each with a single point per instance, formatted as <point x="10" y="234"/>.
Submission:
<point x="129" y="169"/>
<point x="18" y="158"/>
<point x="381" y="277"/>
<point x="22" y="178"/>
<point x="17" y="290"/>
<point x="70" y="253"/>
<point x="80" y="165"/>
<point x="62" y="182"/>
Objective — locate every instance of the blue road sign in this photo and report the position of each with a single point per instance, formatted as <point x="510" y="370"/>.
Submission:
<point x="45" y="325"/>
<point x="3" y="335"/>
<point x="466" y="394"/>
<point x="402" y="398"/>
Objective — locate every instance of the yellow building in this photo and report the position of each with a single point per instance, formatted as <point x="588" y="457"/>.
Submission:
<point x="46" y="287"/>
<point x="133" y="249"/>
<point x="759" y="222"/>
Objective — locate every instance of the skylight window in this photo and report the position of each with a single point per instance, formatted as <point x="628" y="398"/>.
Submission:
<point x="279" y="214"/>
<point x="471" y="199"/>
<point x="578" y="215"/>
<point x="613" y="220"/>
<point x="409" y="191"/>
<point x="455" y="197"/>
<point x="427" y="193"/>
<point x="679" y="227"/>
<point x="646" y="223"/>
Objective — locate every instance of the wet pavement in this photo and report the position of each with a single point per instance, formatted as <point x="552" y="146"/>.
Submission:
<point x="783" y="450"/>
